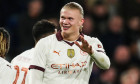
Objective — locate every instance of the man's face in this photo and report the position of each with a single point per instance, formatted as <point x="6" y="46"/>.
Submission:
<point x="70" y="21"/>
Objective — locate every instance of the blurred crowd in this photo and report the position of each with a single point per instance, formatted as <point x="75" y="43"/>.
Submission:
<point x="116" y="23"/>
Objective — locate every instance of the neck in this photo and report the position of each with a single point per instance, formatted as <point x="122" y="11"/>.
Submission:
<point x="70" y="37"/>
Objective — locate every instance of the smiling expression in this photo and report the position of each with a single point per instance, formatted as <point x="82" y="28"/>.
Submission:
<point x="70" y="21"/>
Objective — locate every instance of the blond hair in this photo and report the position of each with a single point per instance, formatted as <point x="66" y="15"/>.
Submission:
<point x="74" y="5"/>
<point x="4" y="42"/>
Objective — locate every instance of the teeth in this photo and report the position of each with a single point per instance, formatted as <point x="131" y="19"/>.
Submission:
<point x="66" y="26"/>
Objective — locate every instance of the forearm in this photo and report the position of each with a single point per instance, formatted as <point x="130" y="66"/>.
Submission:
<point x="101" y="59"/>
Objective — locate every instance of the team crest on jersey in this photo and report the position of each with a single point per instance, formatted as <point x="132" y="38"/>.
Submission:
<point x="70" y="53"/>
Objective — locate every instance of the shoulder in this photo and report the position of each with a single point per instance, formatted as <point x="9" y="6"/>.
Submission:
<point x="26" y="52"/>
<point x="47" y="41"/>
<point x="92" y="39"/>
<point x="23" y="54"/>
<point x="3" y="61"/>
<point x="48" y="38"/>
<point x="45" y="44"/>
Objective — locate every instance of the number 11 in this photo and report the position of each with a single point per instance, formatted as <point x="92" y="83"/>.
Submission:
<point x="17" y="75"/>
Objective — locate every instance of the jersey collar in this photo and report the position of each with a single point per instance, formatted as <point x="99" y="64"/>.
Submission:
<point x="60" y="38"/>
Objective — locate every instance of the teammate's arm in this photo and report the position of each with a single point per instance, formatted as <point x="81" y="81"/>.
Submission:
<point x="37" y="66"/>
<point x="98" y="56"/>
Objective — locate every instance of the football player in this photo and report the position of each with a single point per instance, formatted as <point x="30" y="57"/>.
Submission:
<point x="67" y="57"/>
<point x="7" y="72"/>
<point x="40" y="30"/>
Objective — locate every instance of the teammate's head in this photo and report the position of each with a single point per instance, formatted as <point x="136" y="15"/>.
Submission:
<point x="4" y="42"/>
<point x="71" y="18"/>
<point x="42" y="29"/>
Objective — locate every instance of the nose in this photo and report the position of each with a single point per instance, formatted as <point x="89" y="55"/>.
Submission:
<point x="65" y="21"/>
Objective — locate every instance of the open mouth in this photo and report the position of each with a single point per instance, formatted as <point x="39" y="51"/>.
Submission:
<point x="66" y="27"/>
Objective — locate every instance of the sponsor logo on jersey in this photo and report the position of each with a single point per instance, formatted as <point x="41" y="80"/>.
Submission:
<point x="67" y="65"/>
<point x="56" y="52"/>
<point x="69" y="71"/>
<point x="9" y="65"/>
<point x="70" y="53"/>
<point x="70" y="68"/>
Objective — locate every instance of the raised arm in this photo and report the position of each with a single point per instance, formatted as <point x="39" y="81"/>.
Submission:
<point x="98" y="56"/>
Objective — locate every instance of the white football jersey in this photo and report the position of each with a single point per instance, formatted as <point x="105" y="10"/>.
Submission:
<point x="58" y="61"/>
<point x="23" y="61"/>
<point x="7" y="72"/>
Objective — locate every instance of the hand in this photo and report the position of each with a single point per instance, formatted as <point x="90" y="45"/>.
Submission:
<point x="85" y="46"/>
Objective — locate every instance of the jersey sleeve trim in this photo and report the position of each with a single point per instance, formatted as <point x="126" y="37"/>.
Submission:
<point x="37" y="68"/>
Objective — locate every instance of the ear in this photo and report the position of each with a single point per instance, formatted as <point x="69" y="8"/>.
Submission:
<point x="82" y="21"/>
<point x="55" y="31"/>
